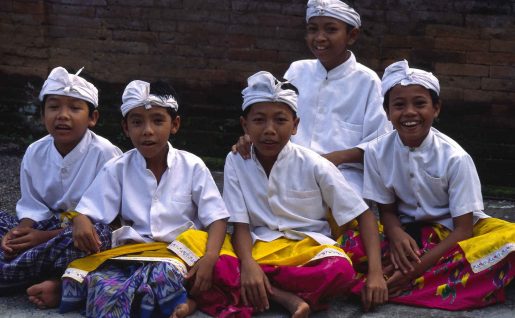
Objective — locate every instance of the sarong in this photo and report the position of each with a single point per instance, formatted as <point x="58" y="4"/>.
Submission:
<point x="47" y="260"/>
<point x="316" y="273"/>
<point x="134" y="280"/>
<point x="473" y="274"/>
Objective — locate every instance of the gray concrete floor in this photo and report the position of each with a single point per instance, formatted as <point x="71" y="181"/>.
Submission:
<point x="18" y="306"/>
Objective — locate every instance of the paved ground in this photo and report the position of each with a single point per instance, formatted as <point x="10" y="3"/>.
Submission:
<point x="18" y="306"/>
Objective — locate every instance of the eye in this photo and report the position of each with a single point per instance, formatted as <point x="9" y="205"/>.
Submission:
<point x="311" y="29"/>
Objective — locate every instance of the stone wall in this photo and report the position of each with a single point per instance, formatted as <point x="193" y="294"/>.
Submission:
<point x="207" y="48"/>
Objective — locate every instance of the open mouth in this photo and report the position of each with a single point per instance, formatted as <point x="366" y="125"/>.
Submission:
<point x="148" y="143"/>
<point x="62" y="127"/>
<point x="409" y="124"/>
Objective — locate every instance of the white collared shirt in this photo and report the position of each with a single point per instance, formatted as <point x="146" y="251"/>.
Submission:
<point x="186" y="197"/>
<point x="52" y="184"/>
<point x="293" y="201"/>
<point x="338" y="110"/>
<point x="433" y="182"/>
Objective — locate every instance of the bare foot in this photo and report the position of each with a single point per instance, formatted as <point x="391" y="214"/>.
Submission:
<point x="46" y="294"/>
<point x="184" y="310"/>
<point x="293" y="303"/>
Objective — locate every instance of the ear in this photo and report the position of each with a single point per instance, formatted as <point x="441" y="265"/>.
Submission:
<point x="93" y="119"/>
<point x="353" y="36"/>
<point x="243" y="123"/>
<point x="176" y="124"/>
<point x="437" y="107"/>
<point x="125" y="127"/>
<point x="295" y="125"/>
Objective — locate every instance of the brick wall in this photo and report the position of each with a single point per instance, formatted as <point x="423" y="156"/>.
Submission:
<point x="207" y="48"/>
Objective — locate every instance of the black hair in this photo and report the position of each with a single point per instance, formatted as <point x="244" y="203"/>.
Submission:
<point x="434" y="98"/>
<point x="91" y="107"/>
<point x="246" y="111"/>
<point x="161" y="88"/>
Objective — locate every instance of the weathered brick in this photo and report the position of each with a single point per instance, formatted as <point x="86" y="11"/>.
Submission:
<point x="459" y="44"/>
<point x="59" y="9"/>
<point x="502" y="46"/>
<point x="451" y="31"/>
<point x="491" y="58"/>
<point x="461" y="69"/>
<point x="502" y="71"/>
<point x="493" y="84"/>
<point x="36" y="8"/>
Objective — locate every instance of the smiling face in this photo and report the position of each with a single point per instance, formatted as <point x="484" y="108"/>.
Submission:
<point x="66" y="119"/>
<point x="149" y="130"/>
<point x="328" y="39"/>
<point x="411" y="111"/>
<point x="269" y="126"/>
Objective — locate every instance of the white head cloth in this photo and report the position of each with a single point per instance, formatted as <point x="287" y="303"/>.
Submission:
<point x="401" y="73"/>
<point x="334" y="9"/>
<point x="137" y="93"/>
<point x="60" y="82"/>
<point x="264" y="87"/>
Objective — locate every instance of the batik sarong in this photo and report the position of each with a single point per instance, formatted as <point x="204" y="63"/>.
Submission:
<point x="134" y="280"/>
<point x="473" y="274"/>
<point x="316" y="273"/>
<point x="46" y="260"/>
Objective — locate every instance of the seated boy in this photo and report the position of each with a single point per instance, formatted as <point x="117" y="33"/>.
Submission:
<point x="55" y="171"/>
<point x="279" y="202"/>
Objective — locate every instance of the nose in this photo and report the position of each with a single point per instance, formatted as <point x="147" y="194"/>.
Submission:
<point x="63" y="113"/>
<point x="269" y="128"/>
<point x="147" y="128"/>
<point x="320" y="36"/>
<point x="410" y="110"/>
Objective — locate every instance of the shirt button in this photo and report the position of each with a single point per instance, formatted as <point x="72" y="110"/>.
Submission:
<point x="411" y="175"/>
<point x="418" y="204"/>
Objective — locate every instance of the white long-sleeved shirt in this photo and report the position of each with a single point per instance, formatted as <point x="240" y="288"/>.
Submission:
<point x="293" y="200"/>
<point x="433" y="182"/>
<point x="186" y="197"/>
<point x="338" y="110"/>
<point x="51" y="183"/>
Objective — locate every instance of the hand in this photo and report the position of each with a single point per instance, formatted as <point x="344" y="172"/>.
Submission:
<point x="242" y="146"/>
<point x="375" y="291"/>
<point x="202" y="271"/>
<point x="255" y="286"/>
<point x="397" y="283"/>
<point x="21" y="238"/>
<point x="403" y="250"/>
<point x="85" y="237"/>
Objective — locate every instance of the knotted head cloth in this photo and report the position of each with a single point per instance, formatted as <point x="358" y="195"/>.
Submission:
<point x="137" y="94"/>
<point x="401" y="73"/>
<point x="60" y="82"/>
<point x="335" y="9"/>
<point x="264" y="87"/>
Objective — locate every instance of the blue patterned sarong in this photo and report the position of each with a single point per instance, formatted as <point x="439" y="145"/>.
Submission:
<point x="126" y="289"/>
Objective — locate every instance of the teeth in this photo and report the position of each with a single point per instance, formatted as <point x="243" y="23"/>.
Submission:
<point x="410" y="123"/>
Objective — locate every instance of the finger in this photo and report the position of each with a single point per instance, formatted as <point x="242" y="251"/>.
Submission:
<point x="191" y="272"/>
<point x="364" y="300"/>
<point x="415" y="251"/>
<point x="19" y="240"/>
<point x="394" y="261"/>
<point x="268" y="286"/>
<point x="263" y="296"/>
<point x="244" y="296"/>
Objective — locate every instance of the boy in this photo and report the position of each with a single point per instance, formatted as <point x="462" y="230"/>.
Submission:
<point x="339" y="99"/>
<point x="278" y="201"/>
<point x="55" y="172"/>
<point x="159" y="192"/>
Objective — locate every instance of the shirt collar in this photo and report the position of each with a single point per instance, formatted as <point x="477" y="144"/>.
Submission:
<point x="282" y="154"/>
<point x="78" y="152"/>
<point x="425" y="143"/>
<point x="170" y="157"/>
<point x="338" y="72"/>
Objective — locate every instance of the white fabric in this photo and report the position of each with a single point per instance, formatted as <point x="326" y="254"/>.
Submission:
<point x="50" y="183"/>
<point x="186" y="197"/>
<point x="335" y="9"/>
<point x="434" y="182"/>
<point x="264" y="87"/>
<point x="60" y="82"/>
<point x="401" y="73"/>
<point x="137" y="93"/>
<point x="340" y="109"/>
<point x="293" y="201"/>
